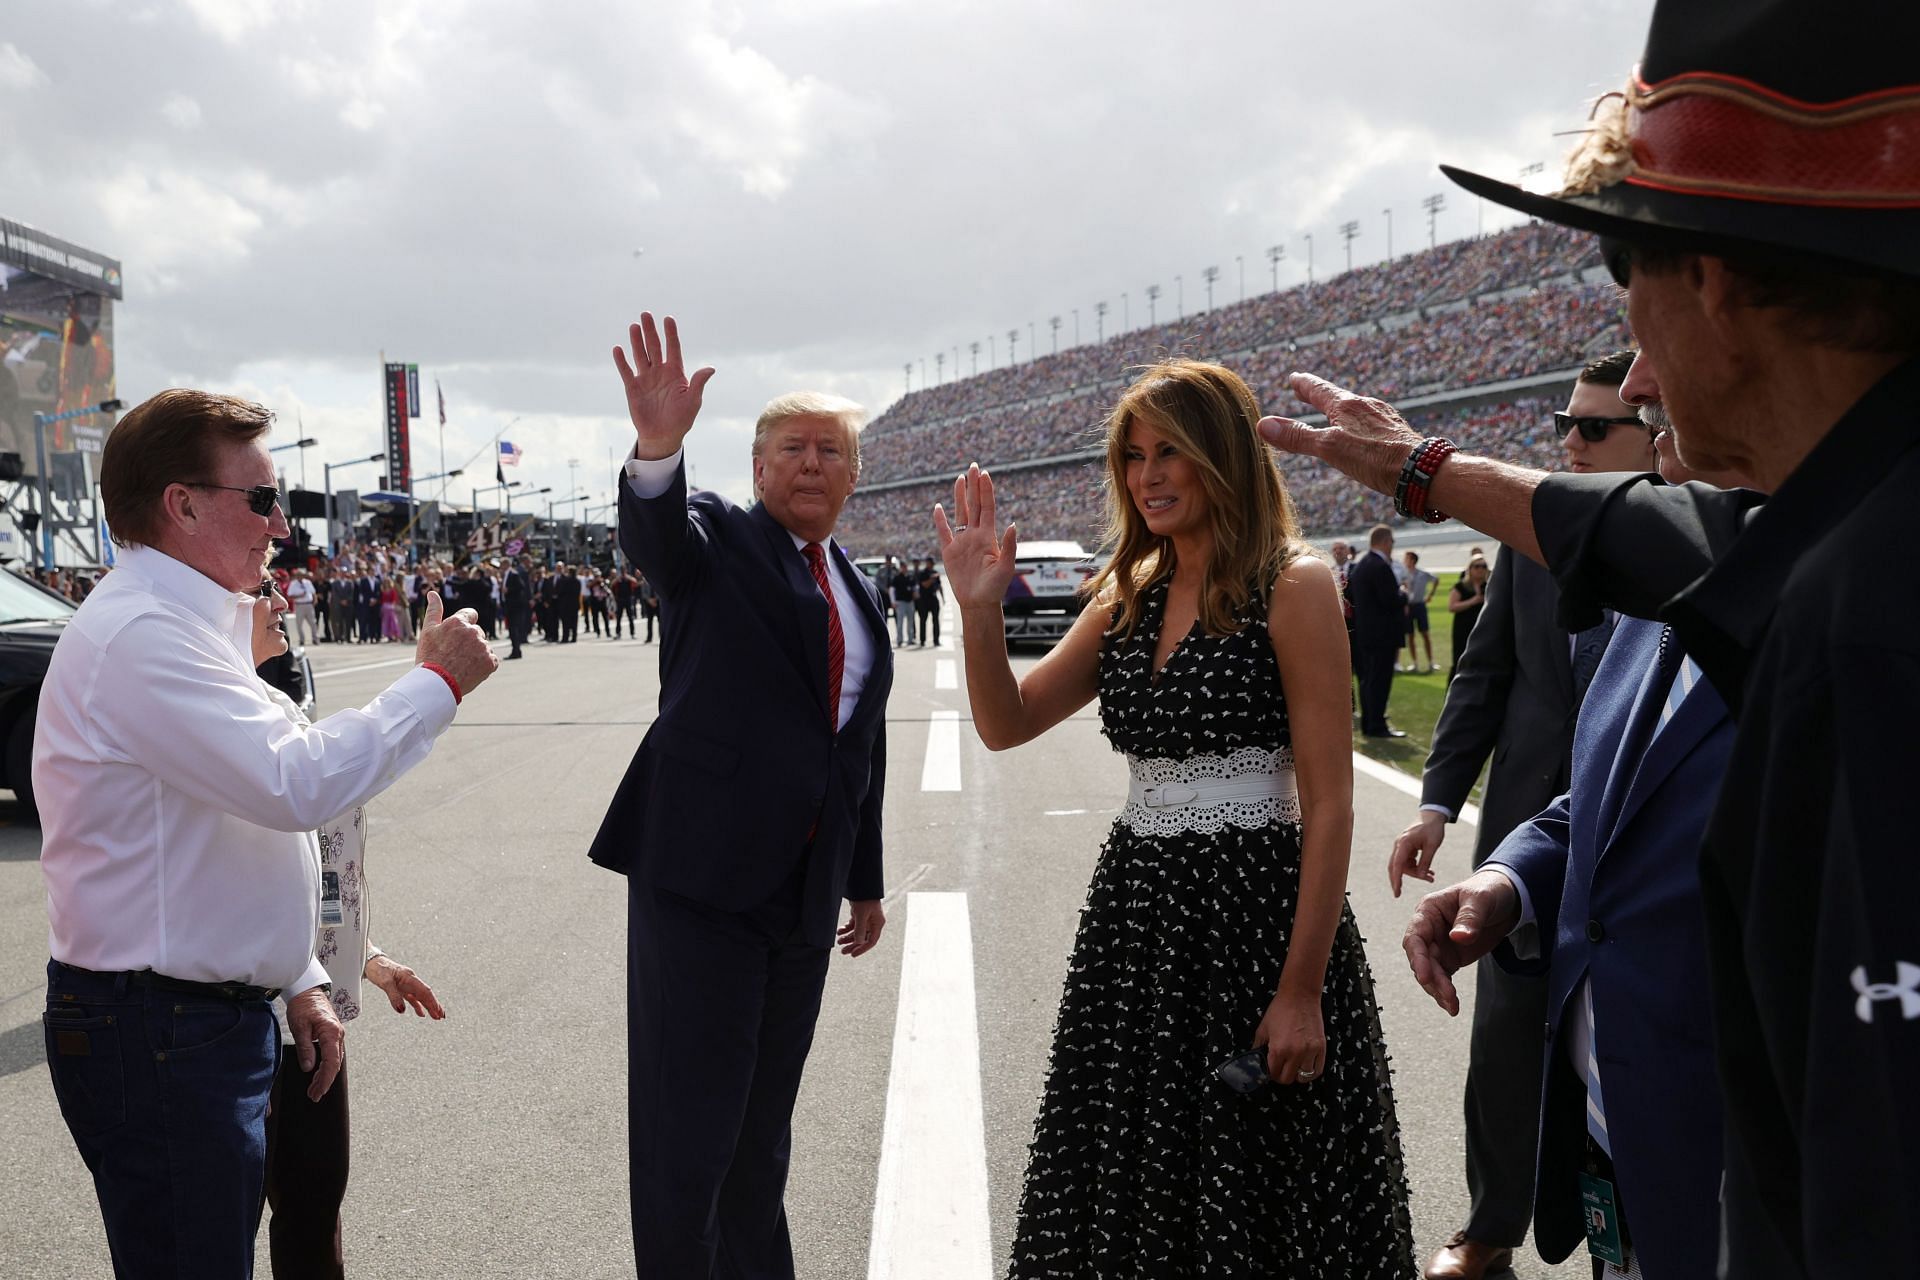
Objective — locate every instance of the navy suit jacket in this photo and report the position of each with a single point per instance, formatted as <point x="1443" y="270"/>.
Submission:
<point x="743" y="761"/>
<point x="1379" y="610"/>
<point x="1612" y="870"/>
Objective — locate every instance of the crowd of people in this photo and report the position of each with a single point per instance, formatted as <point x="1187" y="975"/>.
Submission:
<point x="1551" y="327"/>
<point x="1067" y="500"/>
<point x="1439" y="276"/>
<point x="366" y="593"/>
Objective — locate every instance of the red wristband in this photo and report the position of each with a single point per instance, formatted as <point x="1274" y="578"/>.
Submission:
<point x="444" y="674"/>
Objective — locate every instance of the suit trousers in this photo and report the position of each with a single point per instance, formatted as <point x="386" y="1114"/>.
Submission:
<point x="1504" y="1069"/>
<point x="1376" y="683"/>
<point x="307" y="1146"/>
<point x="720" y="1016"/>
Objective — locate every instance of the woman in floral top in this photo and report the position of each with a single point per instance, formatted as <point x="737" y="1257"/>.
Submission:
<point x="307" y="1139"/>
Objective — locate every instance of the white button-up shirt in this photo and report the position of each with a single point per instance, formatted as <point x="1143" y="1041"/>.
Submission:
<point x="178" y="803"/>
<point x="649" y="478"/>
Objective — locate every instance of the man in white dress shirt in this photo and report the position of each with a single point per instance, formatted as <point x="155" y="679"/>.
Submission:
<point x="178" y="807"/>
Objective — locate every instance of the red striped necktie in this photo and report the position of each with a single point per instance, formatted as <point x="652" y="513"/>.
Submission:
<point x="836" y="638"/>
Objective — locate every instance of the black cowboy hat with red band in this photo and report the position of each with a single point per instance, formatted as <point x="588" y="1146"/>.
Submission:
<point x="1783" y="124"/>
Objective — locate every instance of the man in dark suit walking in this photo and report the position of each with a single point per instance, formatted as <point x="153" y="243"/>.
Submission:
<point x="518" y="598"/>
<point x="1514" y="700"/>
<point x="1379" y="617"/>
<point x="751" y="809"/>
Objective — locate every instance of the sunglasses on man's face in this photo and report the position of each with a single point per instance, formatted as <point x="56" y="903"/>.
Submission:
<point x="261" y="498"/>
<point x="1591" y="429"/>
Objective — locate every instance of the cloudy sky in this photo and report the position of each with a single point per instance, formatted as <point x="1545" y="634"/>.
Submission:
<point x="821" y="190"/>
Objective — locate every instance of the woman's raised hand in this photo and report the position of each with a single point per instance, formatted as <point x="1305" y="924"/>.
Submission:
<point x="979" y="561"/>
<point x="662" y="400"/>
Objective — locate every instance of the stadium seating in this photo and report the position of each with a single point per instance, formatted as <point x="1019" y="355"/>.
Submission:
<point x="1430" y="326"/>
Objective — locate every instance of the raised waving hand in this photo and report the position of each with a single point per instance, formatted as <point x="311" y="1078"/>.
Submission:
<point x="979" y="560"/>
<point x="662" y="400"/>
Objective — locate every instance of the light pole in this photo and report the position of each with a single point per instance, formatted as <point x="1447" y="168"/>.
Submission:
<point x="1274" y="254"/>
<point x="1100" y="322"/>
<point x="1033" y="343"/>
<point x="1240" y="264"/>
<point x="1210" y="275"/>
<point x="1433" y="204"/>
<point x="909" y="375"/>
<point x="974" y="347"/>
<point x="41" y="421"/>
<point x="939" y="368"/>
<point x="1308" y="237"/>
<point x="1180" y="296"/>
<point x="1013" y="346"/>
<point x="1389" y="213"/>
<point x="444" y="475"/>
<point x="1076" y="326"/>
<point x="1053" y="323"/>
<point x="1153" y="297"/>
<point x="1349" y="230"/>
<point x="327" y="469"/>
<point x="302" y="446"/>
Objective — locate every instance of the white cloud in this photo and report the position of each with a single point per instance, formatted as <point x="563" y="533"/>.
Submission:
<point x="17" y="70"/>
<point x="169" y="220"/>
<point x="181" y="111"/>
<point x="232" y="20"/>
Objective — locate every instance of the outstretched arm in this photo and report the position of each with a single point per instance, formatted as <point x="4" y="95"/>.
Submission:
<point x="1369" y="441"/>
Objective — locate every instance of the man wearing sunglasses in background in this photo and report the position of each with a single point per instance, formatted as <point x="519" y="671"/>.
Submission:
<point x="1514" y="700"/>
<point x="178" y="807"/>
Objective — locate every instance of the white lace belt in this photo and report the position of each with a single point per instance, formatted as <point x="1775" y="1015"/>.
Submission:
<point x="1250" y="788"/>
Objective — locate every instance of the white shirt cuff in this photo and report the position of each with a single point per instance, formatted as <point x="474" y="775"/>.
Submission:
<point x="316" y="973"/>
<point x="651" y="477"/>
<point x="1525" y="938"/>
<point x="1440" y="809"/>
<point x="429" y="697"/>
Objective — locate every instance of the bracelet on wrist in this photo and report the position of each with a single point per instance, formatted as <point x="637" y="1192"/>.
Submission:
<point x="1411" y="492"/>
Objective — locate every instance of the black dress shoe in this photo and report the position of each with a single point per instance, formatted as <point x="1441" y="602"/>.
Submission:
<point x="1388" y="732"/>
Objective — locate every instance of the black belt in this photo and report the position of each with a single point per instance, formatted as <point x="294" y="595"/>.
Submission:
<point x="235" y="992"/>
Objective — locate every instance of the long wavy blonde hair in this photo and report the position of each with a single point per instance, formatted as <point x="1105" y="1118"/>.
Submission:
<point x="1209" y="414"/>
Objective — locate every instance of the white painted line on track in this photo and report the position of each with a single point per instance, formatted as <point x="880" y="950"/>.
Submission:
<point x="1402" y="782"/>
<point x="946" y="675"/>
<point x="941" y="772"/>
<point x="930" y="1203"/>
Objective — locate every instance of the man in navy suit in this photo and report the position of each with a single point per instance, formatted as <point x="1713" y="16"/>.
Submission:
<point x="750" y="810"/>
<point x="1379" y="618"/>
<point x="1600" y="894"/>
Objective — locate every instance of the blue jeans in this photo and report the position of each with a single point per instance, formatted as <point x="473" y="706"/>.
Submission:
<point x="166" y="1097"/>
<point x="903" y="632"/>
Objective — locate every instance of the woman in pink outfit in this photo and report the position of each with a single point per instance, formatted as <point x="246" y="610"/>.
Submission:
<point x="390" y="609"/>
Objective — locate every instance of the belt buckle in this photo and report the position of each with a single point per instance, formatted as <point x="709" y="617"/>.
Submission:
<point x="1169" y="796"/>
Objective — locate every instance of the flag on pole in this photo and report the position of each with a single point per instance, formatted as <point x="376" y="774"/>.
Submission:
<point x="509" y="453"/>
<point x="442" y="396"/>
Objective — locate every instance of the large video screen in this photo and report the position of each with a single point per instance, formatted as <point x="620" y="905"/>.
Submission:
<point x="56" y="339"/>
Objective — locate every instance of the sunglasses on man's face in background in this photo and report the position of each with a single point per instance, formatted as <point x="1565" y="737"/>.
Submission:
<point x="1591" y="429"/>
<point x="261" y="498"/>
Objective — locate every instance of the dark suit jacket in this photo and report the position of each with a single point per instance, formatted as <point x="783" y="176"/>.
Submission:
<point x="569" y="589"/>
<point x="1621" y="851"/>
<point x="516" y="592"/>
<point x="1379" y="610"/>
<point x="366" y="594"/>
<point x="1511" y="699"/>
<point x="743" y="761"/>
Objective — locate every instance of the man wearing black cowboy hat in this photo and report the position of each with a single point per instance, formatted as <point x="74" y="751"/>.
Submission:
<point x="1758" y="187"/>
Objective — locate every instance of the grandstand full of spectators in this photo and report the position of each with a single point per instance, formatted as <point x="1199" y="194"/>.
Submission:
<point x="1431" y="327"/>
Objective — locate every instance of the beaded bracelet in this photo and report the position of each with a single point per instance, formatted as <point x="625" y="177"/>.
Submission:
<point x="1416" y="479"/>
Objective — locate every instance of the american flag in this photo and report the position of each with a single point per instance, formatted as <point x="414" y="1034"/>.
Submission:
<point x="509" y="453"/>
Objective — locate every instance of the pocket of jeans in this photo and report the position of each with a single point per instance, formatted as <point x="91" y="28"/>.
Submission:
<point x="193" y="1027"/>
<point x="88" y="1078"/>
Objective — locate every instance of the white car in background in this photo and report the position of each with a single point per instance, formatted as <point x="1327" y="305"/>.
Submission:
<point x="1045" y="595"/>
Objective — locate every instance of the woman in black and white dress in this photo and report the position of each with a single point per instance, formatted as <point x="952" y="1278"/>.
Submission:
<point x="1216" y="921"/>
